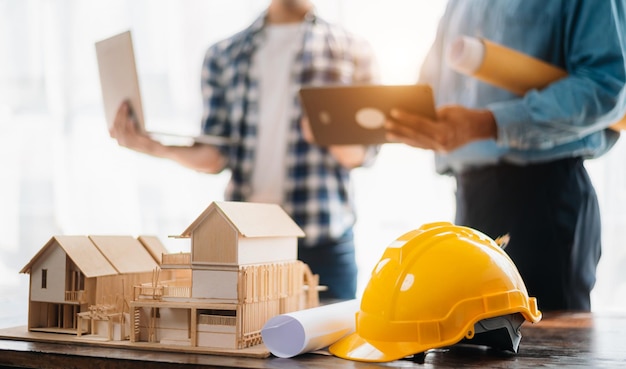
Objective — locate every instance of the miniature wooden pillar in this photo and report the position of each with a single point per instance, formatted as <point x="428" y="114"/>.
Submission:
<point x="122" y="326"/>
<point x="79" y="331"/>
<point x="193" y="329"/>
<point x="239" y="326"/>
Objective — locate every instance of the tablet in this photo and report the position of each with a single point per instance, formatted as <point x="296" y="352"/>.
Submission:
<point x="355" y="114"/>
<point x="119" y="82"/>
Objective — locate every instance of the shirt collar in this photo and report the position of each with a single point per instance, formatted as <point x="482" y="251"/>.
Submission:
<point x="254" y="33"/>
<point x="260" y="22"/>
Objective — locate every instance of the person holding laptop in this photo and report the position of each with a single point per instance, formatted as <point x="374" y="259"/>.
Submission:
<point x="250" y="83"/>
<point x="518" y="161"/>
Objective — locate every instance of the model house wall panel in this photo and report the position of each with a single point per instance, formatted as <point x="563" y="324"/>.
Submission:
<point x="214" y="240"/>
<point x="37" y="313"/>
<point x="174" y="318"/>
<point x="53" y="261"/>
<point x="181" y="275"/>
<point x="90" y="290"/>
<point x="172" y="335"/>
<point x="218" y="340"/>
<point x="267" y="250"/>
<point x="112" y="289"/>
<point x="215" y="284"/>
<point x="213" y="328"/>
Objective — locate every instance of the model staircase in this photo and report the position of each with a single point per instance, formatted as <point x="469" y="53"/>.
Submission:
<point x="136" y="321"/>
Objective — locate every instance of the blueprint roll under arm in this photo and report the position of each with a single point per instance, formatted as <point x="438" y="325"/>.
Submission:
<point x="503" y="67"/>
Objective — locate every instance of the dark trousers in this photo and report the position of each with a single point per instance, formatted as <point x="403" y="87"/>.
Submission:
<point x="551" y="212"/>
<point x="335" y="263"/>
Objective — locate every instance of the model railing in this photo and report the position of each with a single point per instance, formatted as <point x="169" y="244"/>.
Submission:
<point x="74" y="296"/>
<point x="176" y="291"/>
<point x="183" y="258"/>
<point x="161" y="291"/>
<point x="148" y="291"/>
<point x="217" y="320"/>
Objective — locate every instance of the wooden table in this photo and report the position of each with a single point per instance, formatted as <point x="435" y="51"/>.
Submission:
<point x="560" y="340"/>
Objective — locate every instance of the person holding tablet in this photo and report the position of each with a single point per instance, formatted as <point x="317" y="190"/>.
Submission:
<point x="250" y="83"/>
<point x="519" y="161"/>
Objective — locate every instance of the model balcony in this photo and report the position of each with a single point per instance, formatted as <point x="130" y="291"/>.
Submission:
<point x="74" y="296"/>
<point x="159" y="292"/>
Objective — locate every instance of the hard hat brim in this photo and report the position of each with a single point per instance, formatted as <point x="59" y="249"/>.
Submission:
<point x="354" y="347"/>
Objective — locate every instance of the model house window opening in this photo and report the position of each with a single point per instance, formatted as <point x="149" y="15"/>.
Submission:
<point x="217" y="317"/>
<point x="44" y="278"/>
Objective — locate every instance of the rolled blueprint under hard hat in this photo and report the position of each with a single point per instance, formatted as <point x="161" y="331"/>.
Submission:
<point x="295" y="333"/>
<point x="503" y="67"/>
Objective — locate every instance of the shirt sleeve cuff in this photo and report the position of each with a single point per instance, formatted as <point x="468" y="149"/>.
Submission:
<point x="511" y="118"/>
<point x="371" y="153"/>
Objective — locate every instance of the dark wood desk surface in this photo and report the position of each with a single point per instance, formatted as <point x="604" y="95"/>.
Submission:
<point x="564" y="340"/>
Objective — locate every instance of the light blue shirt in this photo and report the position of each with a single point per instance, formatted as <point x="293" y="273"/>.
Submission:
<point x="566" y="119"/>
<point x="619" y="14"/>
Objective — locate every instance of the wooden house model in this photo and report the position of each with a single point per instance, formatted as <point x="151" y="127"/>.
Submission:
<point x="83" y="284"/>
<point x="242" y="270"/>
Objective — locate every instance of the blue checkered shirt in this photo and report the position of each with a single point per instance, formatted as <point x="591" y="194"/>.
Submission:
<point x="317" y="188"/>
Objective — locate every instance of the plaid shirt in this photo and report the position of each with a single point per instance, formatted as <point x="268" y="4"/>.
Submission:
<point x="317" y="187"/>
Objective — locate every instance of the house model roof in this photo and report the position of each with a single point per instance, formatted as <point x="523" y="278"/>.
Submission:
<point x="251" y="219"/>
<point x="154" y="247"/>
<point x="99" y="256"/>
<point x="125" y="253"/>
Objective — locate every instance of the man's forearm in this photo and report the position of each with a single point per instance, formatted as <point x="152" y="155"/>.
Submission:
<point x="199" y="157"/>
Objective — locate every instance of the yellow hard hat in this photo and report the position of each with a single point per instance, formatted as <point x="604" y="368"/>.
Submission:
<point x="429" y="289"/>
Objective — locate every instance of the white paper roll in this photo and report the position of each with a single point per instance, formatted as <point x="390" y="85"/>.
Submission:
<point x="466" y="55"/>
<point x="292" y="334"/>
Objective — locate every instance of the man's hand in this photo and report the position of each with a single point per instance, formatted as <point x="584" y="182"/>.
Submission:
<point x="307" y="132"/>
<point x="199" y="157"/>
<point x="454" y="127"/>
<point x="124" y="130"/>
<point x="349" y="156"/>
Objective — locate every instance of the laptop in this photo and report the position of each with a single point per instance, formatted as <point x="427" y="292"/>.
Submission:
<point x="119" y="82"/>
<point x="355" y="114"/>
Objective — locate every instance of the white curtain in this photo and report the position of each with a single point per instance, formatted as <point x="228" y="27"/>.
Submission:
<point x="62" y="174"/>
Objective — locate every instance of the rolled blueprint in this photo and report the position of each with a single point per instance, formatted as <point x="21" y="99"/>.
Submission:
<point x="503" y="67"/>
<point x="295" y="333"/>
